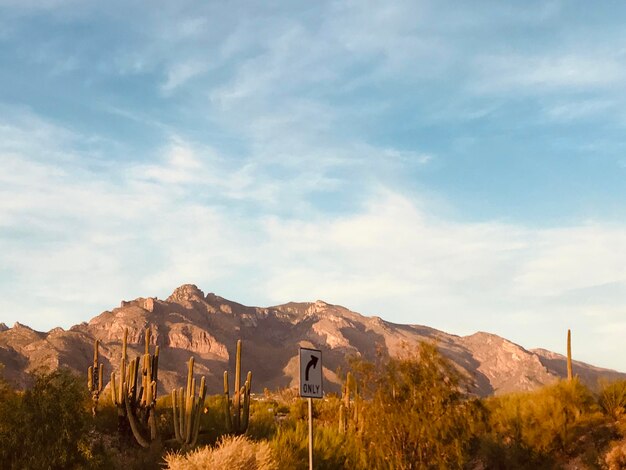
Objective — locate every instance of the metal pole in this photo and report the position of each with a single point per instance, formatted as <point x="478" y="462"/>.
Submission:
<point x="310" y="434"/>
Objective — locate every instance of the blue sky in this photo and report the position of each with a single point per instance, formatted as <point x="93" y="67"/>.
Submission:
<point x="454" y="164"/>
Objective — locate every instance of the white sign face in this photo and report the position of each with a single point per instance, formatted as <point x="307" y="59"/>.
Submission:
<point x="311" y="373"/>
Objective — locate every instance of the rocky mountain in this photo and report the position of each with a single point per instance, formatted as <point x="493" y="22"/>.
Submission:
<point x="207" y="326"/>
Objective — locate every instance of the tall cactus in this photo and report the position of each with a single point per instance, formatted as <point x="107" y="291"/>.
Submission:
<point x="117" y="393"/>
<point x="95" y="377"/>
<point x="187" y="409"/>
<point x="137" y="406"/>
<point x="348" y="406"/>
<point x="570" y="374"/>
<point x="238" y="412"/>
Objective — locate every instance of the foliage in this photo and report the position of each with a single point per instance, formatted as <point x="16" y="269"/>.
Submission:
<point x="236" y="453"/>
<point x="46" y="426"/>
<point x="331" y="449"/>
<point x="262" y="420"/>
<point x="545" y="421"/>
<point x="10" y="421"/>
<point x="418" y="417"/>
<point x="412" y="413"/>
<point x="612" y="398"/>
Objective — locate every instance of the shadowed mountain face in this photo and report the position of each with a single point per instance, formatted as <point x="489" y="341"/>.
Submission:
<point x="189" y="323"/>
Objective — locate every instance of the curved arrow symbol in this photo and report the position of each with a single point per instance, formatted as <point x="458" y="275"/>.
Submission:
<point x="311" y="363"/>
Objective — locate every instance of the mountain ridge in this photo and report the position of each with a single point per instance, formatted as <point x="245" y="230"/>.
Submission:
<point x="188" y="322"/>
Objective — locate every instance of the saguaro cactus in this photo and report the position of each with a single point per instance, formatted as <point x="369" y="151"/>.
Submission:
<point x="117" y="394"/>
<point x="187" y="409"/>
<point x="570" y="374"/>
<point x="137" y="406"/>
<point x="94" y="377"/>
<point x="348" y="407"/>
<point x="238" y="412"/>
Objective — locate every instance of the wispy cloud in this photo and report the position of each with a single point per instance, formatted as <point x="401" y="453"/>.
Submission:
<point x="181" y="73"/>
<point x="276" y="152"/>
<point x="393" y="256"/>
<point x="543" y="73"/>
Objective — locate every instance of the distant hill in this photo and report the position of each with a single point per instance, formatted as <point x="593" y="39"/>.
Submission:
<point x="208" y="326"/>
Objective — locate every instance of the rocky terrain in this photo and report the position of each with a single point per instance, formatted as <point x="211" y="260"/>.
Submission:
<point x="207" y="326"/>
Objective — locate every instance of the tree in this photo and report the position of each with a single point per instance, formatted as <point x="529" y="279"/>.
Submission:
<point x="418" y="416"/>
<point x="45" y="427"/>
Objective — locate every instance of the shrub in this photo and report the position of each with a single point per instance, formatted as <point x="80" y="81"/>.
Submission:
<point x="46" y="426"/>
<point x="236" y="453"/>
<point x="538" y="426"/>
<point x="418" y="417"/>
<point x="262" y="420"/>
<point x="612" y="398"/>
<point x="10" y="420"/>
<point x="331" y="450"/>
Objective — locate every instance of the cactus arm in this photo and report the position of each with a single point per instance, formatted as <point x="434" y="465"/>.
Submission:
<point x="155" y="369"/>
<point x="188" y="415"/>
<point x="113" y="394"/>
<point x="190" y="365"/>
<point x="148" y="381"/>
<point x="152" y="424"/>
<point x="123" y="366"/>
<point x="175" y="412"/>
<point x="95" y="351"/>
<point x="199" y="410"/>
<point x="570" y="374"/>
<point x="130" y="390"/>
<point x="181" y="413"/>
<point x="229" y="423"/>
<point x="237" y="397"/>
<point x="94" y="379"/>
<point x="134" y="425"/>
<point x="147" y="336"/>
<point x="246" y="405"/>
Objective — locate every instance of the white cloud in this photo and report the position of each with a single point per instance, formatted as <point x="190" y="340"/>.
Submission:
<point x="86" y="243"/>
<point x="547" y="73"/>
<point x="574" y="110"/>
<point x="180" y="73"/>
<point x="241" y="222"/>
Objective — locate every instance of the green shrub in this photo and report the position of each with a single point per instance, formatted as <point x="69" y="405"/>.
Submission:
<point x="418" y="417"/>
<point x="612" y="399"/>
<point x="539" y="426"/>
<point x="331" y="450"/>
<point x="46" y="427"/>
<point x="10" y="420"/>
<point x="262" y="420"/>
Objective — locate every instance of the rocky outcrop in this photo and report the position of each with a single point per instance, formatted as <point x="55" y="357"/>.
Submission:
<point x="186" y="293"/>
<point x="188" y="323"/>
<point x="196" y="340"/>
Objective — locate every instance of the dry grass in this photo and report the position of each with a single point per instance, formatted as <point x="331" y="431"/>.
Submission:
<point x="236" y="453"/>
<point x="616" y="457"/>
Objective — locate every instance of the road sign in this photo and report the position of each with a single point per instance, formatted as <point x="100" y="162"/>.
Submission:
<point x="311" y="373"/>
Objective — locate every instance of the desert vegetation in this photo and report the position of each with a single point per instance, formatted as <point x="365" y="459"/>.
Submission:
<point x="408" y="412"/>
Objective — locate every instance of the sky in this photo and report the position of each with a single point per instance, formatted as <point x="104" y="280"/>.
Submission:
<point x="459" y="165"/>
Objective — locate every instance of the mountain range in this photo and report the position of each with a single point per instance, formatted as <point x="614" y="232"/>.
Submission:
<point x="190" y="323"/>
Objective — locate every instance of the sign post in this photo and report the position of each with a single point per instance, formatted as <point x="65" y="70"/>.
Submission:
<point x="311" y="386"/>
